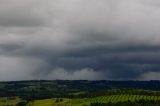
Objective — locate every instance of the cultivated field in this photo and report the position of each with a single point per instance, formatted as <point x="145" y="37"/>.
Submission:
<point x="78" y="102"/>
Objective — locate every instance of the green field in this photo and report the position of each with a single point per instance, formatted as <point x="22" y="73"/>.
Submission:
<point x="79" y="102"/>
<point x="9" y="101"/>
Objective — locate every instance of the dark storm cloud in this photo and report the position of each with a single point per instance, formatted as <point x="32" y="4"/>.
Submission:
<point x="79" y="39"/>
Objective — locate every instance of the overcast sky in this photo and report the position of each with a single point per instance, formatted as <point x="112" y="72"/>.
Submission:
<point x="80" y="39"/>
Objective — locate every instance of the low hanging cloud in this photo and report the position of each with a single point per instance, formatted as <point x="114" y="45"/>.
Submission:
<point x="79" y="39"/>
<point x="87" y="74"/>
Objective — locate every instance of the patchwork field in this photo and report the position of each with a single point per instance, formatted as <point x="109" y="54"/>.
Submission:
<point x="82" y="92"/>
<point x="77" y="102"/>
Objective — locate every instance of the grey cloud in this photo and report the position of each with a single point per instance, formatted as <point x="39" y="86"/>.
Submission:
<point x="23" y="13"/>
<point x="79" y="39"/>
<point x="81" y="74"/>
<point x="20" y="68"/>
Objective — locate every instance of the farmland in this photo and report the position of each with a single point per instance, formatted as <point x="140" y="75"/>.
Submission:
<point x="82" y="101"/>
<point x="80" y="93"/>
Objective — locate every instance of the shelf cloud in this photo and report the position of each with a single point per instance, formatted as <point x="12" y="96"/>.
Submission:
<point x="80" y="39"/>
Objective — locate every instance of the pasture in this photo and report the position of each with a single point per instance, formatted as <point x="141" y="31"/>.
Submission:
<point x="77" y="101"/>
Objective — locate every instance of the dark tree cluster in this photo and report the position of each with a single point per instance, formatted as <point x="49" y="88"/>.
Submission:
<point x="67" y="89"/>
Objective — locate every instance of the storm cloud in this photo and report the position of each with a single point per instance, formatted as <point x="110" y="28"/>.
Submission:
<point x="80" y="39"/>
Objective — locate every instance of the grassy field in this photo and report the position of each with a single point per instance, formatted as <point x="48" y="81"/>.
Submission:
<point x="9" y="101"/>
<point x="78" y="102"/>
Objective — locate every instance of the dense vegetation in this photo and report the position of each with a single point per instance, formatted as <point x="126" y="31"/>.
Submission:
<point x="80" y="93"/>
<point x="65" y="88"/>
